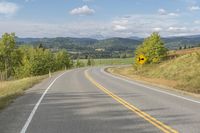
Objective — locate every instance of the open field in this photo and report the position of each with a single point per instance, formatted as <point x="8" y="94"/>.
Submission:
<point x="128" y="61"/>
<point x="111" y="61"/>
<point x="11" y="89"/>
<point x="182" y="73"/>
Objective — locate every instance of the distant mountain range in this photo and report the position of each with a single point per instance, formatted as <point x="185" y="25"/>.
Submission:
<point x="110" y="43"/>
<point x="108" y="46"/>
<point x="176" y="42"/>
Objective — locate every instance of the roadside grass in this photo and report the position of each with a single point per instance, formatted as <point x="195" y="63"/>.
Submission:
<point x="110" y="61"/>
<point x="9" y="90"/>
<point x="183" y="51"/>
<point x="182" y="73"/>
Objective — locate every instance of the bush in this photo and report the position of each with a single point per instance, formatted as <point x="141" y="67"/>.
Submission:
<point x="79" y="63"/>
<point x="152" y="48"/>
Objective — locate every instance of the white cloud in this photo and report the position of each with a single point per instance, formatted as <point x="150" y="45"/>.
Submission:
<point x="177" y="29"/>
<point x="84" y="10"/>
<point x="173" y="14"/>
<point x="8" y="8"/>
<point x="120" y="25"/>
<point x="197" y="21"/>
<point x="157" y="29"/>
<point x="71" y="29"/>
<point x="164" y="12"/>
<point x="194" y="8"/>
<point x="143" y="25"/>
<point x="120" y="22"/>
<point x="133" y="25"/>
<point x="119" y="28"/>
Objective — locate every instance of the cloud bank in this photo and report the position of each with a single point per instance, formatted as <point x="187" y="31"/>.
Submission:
<point x="8" y="8"/>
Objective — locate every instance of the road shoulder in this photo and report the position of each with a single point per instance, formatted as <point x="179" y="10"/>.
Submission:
<point x="149" y="82"/>
<point x="13" y="117"/>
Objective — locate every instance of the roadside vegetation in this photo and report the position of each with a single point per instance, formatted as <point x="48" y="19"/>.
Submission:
<point x="11" y="89"/>
<point x="22" y="67"/>
<point x="25" y="61"/>
<point x="104" y="62"/>
<point x="153" y="49"/>
<point x="178" y="69"/>
<point x="115" y="47"/>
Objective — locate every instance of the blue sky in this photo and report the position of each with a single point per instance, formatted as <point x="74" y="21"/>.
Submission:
<point x="99" y="18"/>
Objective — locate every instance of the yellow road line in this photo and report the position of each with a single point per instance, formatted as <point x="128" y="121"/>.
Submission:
<point x="147" y="117"/>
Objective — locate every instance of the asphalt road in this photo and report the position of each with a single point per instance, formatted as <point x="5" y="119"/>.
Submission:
<point x="89" y="100"/>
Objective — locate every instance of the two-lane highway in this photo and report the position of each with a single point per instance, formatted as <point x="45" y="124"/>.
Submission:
<point x="90" y="100"/>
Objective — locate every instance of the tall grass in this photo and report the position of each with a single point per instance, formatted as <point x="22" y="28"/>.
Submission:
<point x="11" y="89"/>
<point x="184" y="70"/>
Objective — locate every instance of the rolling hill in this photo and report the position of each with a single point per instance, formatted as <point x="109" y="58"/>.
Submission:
<point x="176" y="42"/>
<point x="111" y="47"/>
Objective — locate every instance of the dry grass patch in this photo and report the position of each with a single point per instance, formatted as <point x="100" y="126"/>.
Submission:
<point x="11" y="89"/>
<point x="182" y="73"/>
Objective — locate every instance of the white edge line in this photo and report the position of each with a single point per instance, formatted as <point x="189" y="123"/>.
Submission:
<point x="132" y="82"/>
<point x="28" y="121"/>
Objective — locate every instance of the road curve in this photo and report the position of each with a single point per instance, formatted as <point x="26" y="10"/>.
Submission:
<point x="89" y="100"/>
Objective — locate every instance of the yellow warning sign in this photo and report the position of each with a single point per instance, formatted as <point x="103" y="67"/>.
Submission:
<point x="141" y="59"/>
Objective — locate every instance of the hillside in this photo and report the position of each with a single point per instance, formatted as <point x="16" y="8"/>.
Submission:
<point x="176" y="42"/>
<point x="58" y="42"/>
<point x="117" y="44"/>
<point x="68" y="42"/>
<point x="82" y="47"/>
<point x="112" y="47"/>
<point x="180" y="73"/>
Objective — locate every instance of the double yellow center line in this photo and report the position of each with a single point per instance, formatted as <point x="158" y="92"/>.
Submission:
<point x="147" y="117"/>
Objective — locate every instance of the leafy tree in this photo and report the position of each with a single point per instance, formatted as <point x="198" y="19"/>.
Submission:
<point x="39" y="61"/>
<point x="25" y="61"/>
<point x="44" y="61"/>
<point x="62" y="59"/>
<point x="79" y="63"/>
<point x="25" y="69"/>
<point x="152" y="48"/>
<point x="8" y="54"/>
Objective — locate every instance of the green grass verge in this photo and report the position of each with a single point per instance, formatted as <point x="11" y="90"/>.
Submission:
<point x="183" y="70"/>
<point x="9" y="90"/>
<point x="110" y="61"/>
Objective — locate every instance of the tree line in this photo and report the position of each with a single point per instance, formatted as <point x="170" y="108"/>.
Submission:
<point x="25" y="61"/>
